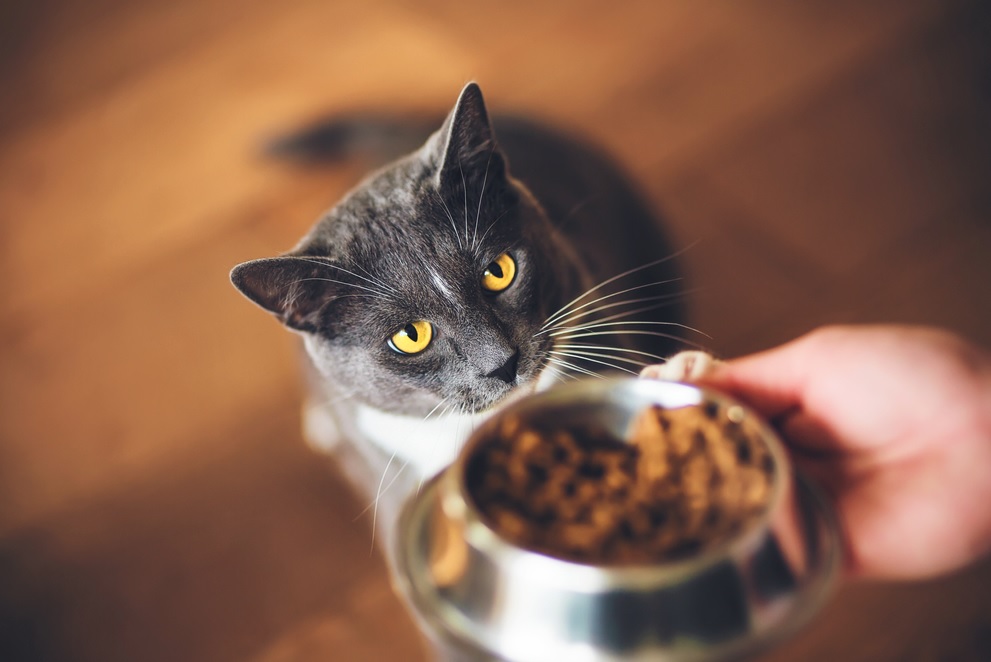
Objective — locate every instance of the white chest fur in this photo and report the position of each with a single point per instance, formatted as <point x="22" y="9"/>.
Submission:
<point x="424" y="446"/>
<point x="427" y="446"/>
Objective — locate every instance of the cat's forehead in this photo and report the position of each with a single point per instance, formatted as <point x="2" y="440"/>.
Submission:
<point x="402" y="197"/>
<point x="402" y="210"/>
<point x="409" y="228"/>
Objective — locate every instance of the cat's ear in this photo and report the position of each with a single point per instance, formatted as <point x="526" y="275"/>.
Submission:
<point x="294" y="289"/>
<point x="468" y="148"/>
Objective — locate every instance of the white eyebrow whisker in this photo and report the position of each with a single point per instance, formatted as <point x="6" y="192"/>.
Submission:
<point x="382" y="284"/>
<point x="464" y="185"/>
<point x="481" y="195"/>
<point x="330" y="265"/>
<point x="451" y="218"/>
<point x="481" y="241"/>
<point x="375" y="294"/>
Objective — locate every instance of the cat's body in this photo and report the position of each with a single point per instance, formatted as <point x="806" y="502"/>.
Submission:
<point x="429" y="296"/>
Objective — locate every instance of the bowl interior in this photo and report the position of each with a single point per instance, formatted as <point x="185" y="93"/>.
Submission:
<point x="615" y="413"/>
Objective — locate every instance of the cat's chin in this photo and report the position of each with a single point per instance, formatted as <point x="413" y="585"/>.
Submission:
<point x="511" y="396"/>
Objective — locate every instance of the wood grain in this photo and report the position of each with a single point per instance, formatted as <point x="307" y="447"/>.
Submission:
<point x="156" y="501"/>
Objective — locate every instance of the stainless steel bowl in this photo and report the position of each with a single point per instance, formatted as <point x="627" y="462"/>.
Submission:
<point x="480" y="597"/>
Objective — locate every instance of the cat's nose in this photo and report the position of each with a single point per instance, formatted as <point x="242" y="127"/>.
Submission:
<point x="507" y="371"/>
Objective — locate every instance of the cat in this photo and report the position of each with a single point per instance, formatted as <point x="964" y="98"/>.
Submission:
<point x="498" y="258"/>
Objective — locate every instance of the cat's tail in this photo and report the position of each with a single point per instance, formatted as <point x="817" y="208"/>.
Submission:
<point x="370" y="136"/>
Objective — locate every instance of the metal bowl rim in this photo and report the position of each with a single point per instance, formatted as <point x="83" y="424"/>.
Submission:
<point x="480" y="533"/>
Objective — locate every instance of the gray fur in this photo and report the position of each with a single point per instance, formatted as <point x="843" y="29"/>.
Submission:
<point x="411" y="242"/>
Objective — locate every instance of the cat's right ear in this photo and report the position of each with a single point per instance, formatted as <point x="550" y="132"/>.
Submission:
<point x="466" y="147"/>
<point x="294" y="289"/>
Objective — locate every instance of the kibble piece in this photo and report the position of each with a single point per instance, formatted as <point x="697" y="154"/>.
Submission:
<point x="683" y="480"/>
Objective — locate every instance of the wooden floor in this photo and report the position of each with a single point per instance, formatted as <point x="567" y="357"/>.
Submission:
<point x="832" y="160"/>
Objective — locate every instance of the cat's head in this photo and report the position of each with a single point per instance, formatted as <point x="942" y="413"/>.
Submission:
<point x="427" y="284"/>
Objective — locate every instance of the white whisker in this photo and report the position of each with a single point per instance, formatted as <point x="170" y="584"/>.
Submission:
<point x="385" y="489"/>
<point x="611" y="348"/>
<point x="474" y="234"/>
<point x="619" y="316"/>
<point x="378" y="281"/>
<point x="597" y="325"/>
<point x="564" y="308"/>
<point x="329" y="401"/>
<point x="435" y="408"/>
<point x="378" y="495"/>
<point x="359" y="296"/>
<point x="575" y="315"/>
<point x="633" y="332"/>
<point x="374" y="293"/>
<point x="464" y="185"/>
<point x="442" y="414"/>
<point x="586" y="357"/>
<point x="481" y="241"/>
<point x="330" y="265"/>
<point x="561" y="377"/>
<point x="471" y="424"/>
<point x="572" y="366"/>
<point x="564" y="376"/>
<point x="450" y="217"/>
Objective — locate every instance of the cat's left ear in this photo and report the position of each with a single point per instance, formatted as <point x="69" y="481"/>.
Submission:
<point x="468" y="146"/>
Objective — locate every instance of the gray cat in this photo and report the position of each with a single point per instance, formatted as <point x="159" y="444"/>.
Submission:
<point x="447" y="284"/>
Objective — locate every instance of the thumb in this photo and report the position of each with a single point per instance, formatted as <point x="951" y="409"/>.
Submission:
<point x="778" y="385"/>
<point x="772" y="382"/>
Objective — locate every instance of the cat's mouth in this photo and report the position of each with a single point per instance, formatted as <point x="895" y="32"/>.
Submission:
<point x="539" y="378"/>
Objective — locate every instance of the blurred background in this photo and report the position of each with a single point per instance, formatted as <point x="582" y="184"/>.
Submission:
<point x="831" y="158"/>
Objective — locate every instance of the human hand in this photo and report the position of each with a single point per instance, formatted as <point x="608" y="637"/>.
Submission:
<point x="894" y="422"/>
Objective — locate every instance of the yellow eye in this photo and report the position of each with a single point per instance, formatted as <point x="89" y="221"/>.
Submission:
<point x="500" y="274"/>
<point x="412" y="338"/>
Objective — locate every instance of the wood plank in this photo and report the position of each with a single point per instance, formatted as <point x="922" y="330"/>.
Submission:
<point x="132" y="372"/>
<point x="155" y="499"/>
<point x="203" y="559"/>
<point x="207" y="103"/>
<point x="880" y="153"/>
<point x="944" y="619"/>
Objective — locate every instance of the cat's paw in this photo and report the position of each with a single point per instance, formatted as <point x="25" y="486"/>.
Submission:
<point x="320" y="431"/>
<point x="682" y="367"/>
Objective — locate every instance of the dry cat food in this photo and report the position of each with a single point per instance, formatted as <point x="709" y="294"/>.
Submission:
<point x="685" y="480"/>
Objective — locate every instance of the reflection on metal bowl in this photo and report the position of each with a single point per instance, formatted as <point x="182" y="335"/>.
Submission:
<point x="479" y="596"/>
